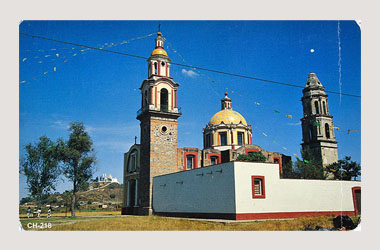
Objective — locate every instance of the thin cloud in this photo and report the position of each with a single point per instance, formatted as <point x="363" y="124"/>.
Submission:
<point x="294" y="124"/>
<point x="117" y="129"/>
<point x="59" y="124"/>
<point x="113" y="146"/>
<point x="189" y="73"/>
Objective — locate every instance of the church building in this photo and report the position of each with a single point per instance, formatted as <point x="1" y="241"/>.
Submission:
<point x="160" y="178"/>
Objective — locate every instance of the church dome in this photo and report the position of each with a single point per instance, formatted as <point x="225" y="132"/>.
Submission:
<point x="159" y="51"/>
<point x="227" y="116"/>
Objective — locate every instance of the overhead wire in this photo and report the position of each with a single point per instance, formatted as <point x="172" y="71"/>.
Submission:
<point x="183" y="65"/>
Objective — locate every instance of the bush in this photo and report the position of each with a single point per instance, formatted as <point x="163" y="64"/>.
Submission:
<point x="253" y="156"/>
<point x="89" y="202"/>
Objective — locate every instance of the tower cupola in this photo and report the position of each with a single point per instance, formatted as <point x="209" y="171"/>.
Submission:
<point x="159" y="62"/>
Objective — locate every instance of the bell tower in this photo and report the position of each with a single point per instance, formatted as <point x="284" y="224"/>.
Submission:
<point x="158" y="123"/>
<point x="317" y="124"/>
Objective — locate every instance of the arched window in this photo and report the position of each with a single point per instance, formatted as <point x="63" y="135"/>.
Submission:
<point x="223" y="138"/>
<point x="213" y="160"/>
<point x="327" y="131"/>
<point x="132" y="161"/>
<point x="240" y="138"/>
<point x="310" y="133"/>
<point x="164" y="100"/>
<point x="208" y="140"/>
<point x="324" y="108"/>
<point x="146" y="98"/>
<point x="316" y="107"/>
<point x="155" y="68"/>
<point x="189" y="162"/>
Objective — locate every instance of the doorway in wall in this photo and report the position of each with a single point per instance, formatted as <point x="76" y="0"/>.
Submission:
<point x="356" y="192"/>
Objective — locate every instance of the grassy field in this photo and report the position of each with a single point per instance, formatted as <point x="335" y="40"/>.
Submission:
<point x="78" y="213"/>
<point x="156" y="223"/>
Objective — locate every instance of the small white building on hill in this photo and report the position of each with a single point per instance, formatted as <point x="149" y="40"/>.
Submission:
<point x="109" y="178"/>
<point x="249" y="191"/>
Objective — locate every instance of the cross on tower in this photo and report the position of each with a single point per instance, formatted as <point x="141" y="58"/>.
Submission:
<point x="159" y="25"/>
<point x="135" y="139"/>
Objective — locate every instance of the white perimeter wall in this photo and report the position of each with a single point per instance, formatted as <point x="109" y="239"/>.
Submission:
<point x="231" y="191"/>
<point x="210" y="193"/>
<point x="289" y="195"/>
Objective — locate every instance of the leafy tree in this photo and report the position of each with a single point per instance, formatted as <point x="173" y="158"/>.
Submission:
<point x="41" y="167"/>
<point x="345" y="169"/>
<point x="52" y="199"/>
<point x="309" y="167"/>
<point x="112" y="196"/>
<point x="288" y="171"/>
<point x="253" y="156"/>
<point x="25" y="200"/>
<point x="84" y="186"/>
<point x="79" y="159"/>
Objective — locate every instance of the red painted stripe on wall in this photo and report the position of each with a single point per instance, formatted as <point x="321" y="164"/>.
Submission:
<point x="253" y="216"/>
<point x="285" y="215"/>
<point x="151" y="95"/>
<point x="155" y="98"/>
<point x="175" y="91"/>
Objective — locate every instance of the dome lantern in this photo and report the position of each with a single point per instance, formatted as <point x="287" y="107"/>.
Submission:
<point x="226" y="102"/>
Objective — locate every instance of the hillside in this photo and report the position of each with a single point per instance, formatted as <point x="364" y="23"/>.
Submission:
<point x="101" y="193"/>
<point x="98" y="193"/>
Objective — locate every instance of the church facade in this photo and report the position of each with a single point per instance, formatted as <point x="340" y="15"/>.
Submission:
<point x="226" y="136"/>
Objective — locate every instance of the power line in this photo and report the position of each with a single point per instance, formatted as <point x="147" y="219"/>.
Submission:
<point x="184" y="65"/>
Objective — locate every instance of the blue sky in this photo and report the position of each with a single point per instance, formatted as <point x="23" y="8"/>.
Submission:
<point x="63" y="84"/>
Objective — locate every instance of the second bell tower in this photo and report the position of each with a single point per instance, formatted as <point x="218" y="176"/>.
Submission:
<point x="317" y="123"/>
<point x="158" y="123"/>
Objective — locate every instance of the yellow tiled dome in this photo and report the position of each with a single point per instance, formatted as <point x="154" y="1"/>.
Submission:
<point x="227" y="116"/>
<point x="159" y="51"/>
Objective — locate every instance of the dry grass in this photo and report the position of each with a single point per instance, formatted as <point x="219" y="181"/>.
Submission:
<point x="156" y="223"/>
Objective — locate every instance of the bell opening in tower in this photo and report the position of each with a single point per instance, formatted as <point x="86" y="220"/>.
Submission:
<point x="164" y="100"/>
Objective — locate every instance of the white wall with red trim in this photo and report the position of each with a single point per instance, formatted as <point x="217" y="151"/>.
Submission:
<point x="289" y="195"/>
<point x="230" y="191"/>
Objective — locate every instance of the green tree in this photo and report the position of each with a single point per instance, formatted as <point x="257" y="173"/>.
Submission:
<point x="41" y="167"/>
<point x="112" y="196"/>
<point x="309" y="167"/>
<point x="345" y="169"/>
<point x="253" y="156"/>
<point x="79" y="159"/>
<point x="25" y="200"/>
<point x="288" y="171"/>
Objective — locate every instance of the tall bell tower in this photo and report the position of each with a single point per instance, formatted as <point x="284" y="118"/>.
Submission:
<point x="317" y="124"/>
<point x="158" y="123"/>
